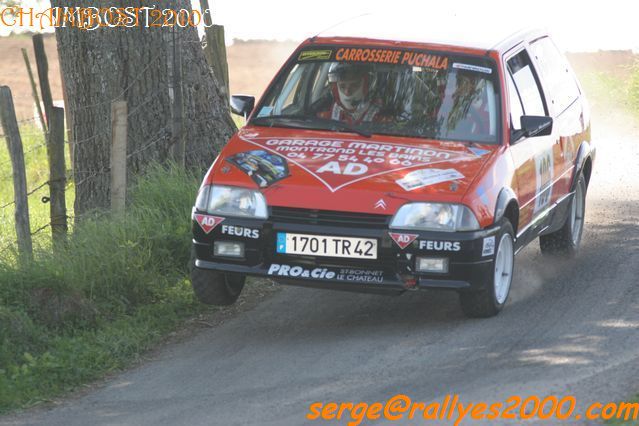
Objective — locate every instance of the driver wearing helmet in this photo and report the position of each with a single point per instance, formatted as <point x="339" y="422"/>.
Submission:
<point x="351" y="86"/>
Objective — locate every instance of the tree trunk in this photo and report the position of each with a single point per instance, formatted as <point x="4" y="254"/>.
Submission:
<point x="136" y="65"/>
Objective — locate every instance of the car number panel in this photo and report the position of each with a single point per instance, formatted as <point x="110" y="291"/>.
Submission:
<point x="325" y="245"/>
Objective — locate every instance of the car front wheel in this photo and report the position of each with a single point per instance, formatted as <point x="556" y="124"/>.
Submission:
<point x="214" y="287"/>
<point x="492" y="298"/>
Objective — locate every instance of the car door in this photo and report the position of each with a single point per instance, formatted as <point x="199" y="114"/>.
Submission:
<point x="562" y="94"/>
<point x="533" y="157"/>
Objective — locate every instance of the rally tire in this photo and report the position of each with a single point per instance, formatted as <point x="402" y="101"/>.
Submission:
<point x="490" y="300"/>
<point x="214" y="287"/>
<point x="566" y="241"/>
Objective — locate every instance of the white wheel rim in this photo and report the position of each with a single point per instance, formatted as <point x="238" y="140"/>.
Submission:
<point x="503" y="268"/>
<point x="577" y="215"/>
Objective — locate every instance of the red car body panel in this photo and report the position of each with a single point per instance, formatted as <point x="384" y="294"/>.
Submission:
<point x="311" y="188"/>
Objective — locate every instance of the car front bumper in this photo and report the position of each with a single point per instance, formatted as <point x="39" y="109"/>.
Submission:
<point x="469" y="255"/>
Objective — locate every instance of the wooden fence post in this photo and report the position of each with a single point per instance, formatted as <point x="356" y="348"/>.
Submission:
<point x="43" y="75"/>
<point x="179" y="144"/>
<point x="57" y="177"/>
<point x="215" y="50"/>
<point x="34" y="90"/>
<point x="215" y="53"/>
<point x="119" y="130"/>
<point x="14" y="143"/>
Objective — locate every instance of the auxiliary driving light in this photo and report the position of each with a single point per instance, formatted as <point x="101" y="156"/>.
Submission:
<point x="228" y="249"/>
<point x="432" y="264"/>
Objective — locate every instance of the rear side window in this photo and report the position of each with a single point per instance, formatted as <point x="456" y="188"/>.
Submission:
<point x="558" y="79"/>
<point x="523" y="76"/>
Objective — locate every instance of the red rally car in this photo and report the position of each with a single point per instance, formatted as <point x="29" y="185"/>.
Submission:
<point x="383" y="165"/>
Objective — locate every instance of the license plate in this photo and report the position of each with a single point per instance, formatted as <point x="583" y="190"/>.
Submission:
<point x="322" y="245"/>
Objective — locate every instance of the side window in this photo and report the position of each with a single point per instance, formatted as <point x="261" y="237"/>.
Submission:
<point x="562" y="88"/>
<point x="516" y="110"/>
<point x="521" y="69"/>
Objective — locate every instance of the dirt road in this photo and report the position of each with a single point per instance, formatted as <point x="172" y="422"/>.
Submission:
<point x="570" y="327"/>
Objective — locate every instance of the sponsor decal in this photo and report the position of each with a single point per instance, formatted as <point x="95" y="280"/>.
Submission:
<point x="482" y="194"/>
<point x="403" y="240"/>
<point x="339" y="163"/>
<point x="543" y="175"/>
<point x="262" y="166"/>
<point x="488" y="248"/>
<point x="240" y="231"/>
<point x="380" y="204"/>
<point x="208" y="223"/>
<point x="425" y="177"/>
<point x="478" y="151"/>
<point x="440" y="245"/>
<point x="342" y="274"/>
<point x="381" y="56"/>
<point x="469" y="67"/>
<point x="315" y="55"/>
<point x="392" y="56"/>
<point x="484" y="189"/>
<point x="360" y="275"/>
<point x="569" y="148"/>
<point x="299" y="272"/>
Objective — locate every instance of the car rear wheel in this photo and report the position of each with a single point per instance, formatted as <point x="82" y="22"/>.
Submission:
<point x="566" y="240"/>
<point x="490" y="300"/>
<point x="214" y="287"/>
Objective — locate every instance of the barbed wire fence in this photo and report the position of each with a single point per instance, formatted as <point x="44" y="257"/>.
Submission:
<point x="29" y="132"/>
<point x="138" y="145"/>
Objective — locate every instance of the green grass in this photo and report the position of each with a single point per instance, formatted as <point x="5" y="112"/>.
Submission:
<point x="633" y="89"/>
<point x="36" y="164"/>
<point x="614" y="92"/>
<point x="114" y="289"/>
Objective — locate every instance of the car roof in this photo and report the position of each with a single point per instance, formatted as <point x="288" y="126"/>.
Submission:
<point x="456" y="31"/>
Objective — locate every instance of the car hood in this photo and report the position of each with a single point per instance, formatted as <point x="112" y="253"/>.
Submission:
<point x="341" y="171"/>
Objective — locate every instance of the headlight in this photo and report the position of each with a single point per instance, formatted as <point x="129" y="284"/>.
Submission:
<point x="231" y="201"/>
<point x="435" y="217"/>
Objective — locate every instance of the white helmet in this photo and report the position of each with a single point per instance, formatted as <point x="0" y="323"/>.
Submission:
<point x="350" y="84"/>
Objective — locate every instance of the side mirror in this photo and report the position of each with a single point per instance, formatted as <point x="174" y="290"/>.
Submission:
<point x="535" y="125"/>
<point x="242" y="105"/>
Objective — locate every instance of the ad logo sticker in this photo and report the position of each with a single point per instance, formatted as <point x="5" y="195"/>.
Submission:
<point x="208" y="223"/>
<point x="339" y="163"/>
<point x="403" y="240"/>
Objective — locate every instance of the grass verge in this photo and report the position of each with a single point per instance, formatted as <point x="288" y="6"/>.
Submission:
<point x="612" y="92"/>
<point x="115" y="288"/>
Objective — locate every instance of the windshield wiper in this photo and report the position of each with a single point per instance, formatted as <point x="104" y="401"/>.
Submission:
<point x="303" y="122"/>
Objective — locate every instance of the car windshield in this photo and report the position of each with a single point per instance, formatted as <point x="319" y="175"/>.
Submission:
<point x="410" y="93"/>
